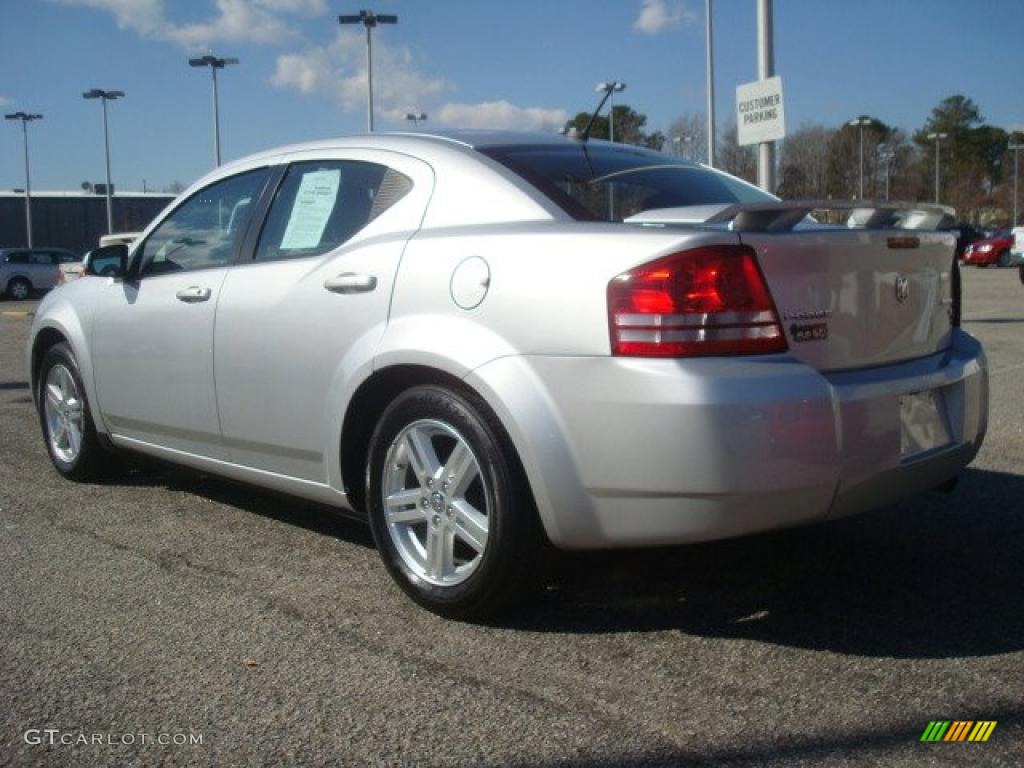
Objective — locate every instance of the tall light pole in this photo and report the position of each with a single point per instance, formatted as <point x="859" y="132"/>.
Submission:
<point x="710" y="73"/>
<point x="104" y="97"/>
<point x="937" y="137"/>
<point x="887" y="156"/>
<point x="369" y="19"/>
<point x="860" y="122"/>
<point x="1016" y="147"/>
<point x="214" y="63"/>
<point x="765" y="69"/>
<point x="416" y="117"/>
<point x="26" y="118"/>
<point x="610" y="88"/>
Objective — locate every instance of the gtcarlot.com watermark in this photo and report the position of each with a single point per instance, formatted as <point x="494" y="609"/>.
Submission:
<point x="57" y="737"/>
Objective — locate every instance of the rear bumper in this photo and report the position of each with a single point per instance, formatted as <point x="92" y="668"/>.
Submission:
<point x="626" y="452"/>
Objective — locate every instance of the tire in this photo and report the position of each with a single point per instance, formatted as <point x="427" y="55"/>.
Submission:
<point x="1003" y="259"/>
<point x="19" y="289"/>
<point x="1021" y="272"/>
<point x="464" y="539"/>
<point x="68" y="429"/>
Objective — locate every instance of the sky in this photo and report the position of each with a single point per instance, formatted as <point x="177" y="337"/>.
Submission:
<point x="527" y="64"/>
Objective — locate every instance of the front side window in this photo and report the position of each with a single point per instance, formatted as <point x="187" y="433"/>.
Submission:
<point x="322" y="204"/>
<point x="206" y="229"/>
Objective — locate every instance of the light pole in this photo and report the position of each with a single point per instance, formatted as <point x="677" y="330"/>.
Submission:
<point x="416" y="117"/>
<point x="860" y="122"/>
<point x="610" y="88"/>
<point x="1016" y="147"/>
<point x="887" y="156"/>
<point x="104" y="97"/>
<point x="937" y="137"/>
<point x="710" y="73"/>
<point x="26" y="118"/>
<point x="214" y="63"/>
<point x="369" y="19"/>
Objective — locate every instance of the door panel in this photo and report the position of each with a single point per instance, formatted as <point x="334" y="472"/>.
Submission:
<point x="287" y="319"/>
<point x="152" y="334"/>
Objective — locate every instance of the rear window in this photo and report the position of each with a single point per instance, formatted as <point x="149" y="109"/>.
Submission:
<point x="611" y="183"/>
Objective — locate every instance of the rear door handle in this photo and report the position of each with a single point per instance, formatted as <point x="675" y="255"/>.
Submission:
<point x="193" y="294"/>
<point x="350" y="282"/>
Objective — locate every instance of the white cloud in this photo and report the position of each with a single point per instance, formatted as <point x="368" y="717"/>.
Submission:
<point x="339" y="71"/>
<point x="258" y="21"/>
<point x="501" y="114"/>
<point x="659" y="15"/>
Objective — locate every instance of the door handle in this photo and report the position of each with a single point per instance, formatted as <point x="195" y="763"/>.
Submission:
<point x="350" y="282"/>
<point x="193" y="294"/>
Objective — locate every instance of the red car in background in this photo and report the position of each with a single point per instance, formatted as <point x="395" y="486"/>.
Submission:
<point x="992" y="250"/>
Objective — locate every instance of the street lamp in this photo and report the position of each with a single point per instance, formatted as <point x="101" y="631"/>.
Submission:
<point x="678" y="142"/>
<point x="214" y="63"/>
<point x="104" y="97"/>
<point x="887" y="156"/>
<point x="860" y="122"/>
<point x="1016" y="151"/>
<point x="937" y="137"/>
<point x="609" y="89"/>
<point x="369" y="19"/>
<point x="26" y="118"/>
<point x="416" y="117"/>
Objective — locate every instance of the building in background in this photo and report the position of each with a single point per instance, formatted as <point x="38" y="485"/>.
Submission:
<point x="74" y="219"/>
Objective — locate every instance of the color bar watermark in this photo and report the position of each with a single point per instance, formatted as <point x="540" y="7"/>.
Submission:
<point x="958" y="730"/>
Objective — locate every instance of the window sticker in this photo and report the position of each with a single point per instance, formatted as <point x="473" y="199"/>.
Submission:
<point x="314" y="203"/>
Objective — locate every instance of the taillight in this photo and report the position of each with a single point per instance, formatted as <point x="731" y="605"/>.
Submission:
<point x="706" y="301"/>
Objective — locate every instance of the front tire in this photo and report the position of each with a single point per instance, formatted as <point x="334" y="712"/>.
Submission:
<point x="450" y="511"/>
<point x="1003" y="260"/>
<point x="68" y="429"/>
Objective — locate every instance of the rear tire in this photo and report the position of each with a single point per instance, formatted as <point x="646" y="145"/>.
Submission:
<point x="1003" y="259"/>
<point x="19" y="289"/>
<point x="451" y="513"/>
<point x="67" y="425"/>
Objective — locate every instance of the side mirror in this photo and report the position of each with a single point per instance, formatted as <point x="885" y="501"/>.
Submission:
<point x="108" y="261"/>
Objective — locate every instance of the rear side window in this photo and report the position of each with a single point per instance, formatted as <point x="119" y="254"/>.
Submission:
<point x="42" y="259"/>
<point x="18" y="258"/>
<point x="610" y="183"/>
<point x="322" y="204"/>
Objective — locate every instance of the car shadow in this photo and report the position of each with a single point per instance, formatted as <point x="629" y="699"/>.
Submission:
<point x="995" y="321"/>
<point x="938" y="576"/>
<point x="141" y="471"/>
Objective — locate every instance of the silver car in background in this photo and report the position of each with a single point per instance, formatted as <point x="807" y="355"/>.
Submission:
<point x="23" y="271"/>
<point x="488" y="342"/>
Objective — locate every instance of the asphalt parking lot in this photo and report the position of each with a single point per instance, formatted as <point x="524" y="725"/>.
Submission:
<point x="172" y="602"/>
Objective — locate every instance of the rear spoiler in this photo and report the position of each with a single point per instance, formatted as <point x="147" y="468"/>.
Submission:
<point x="783" y="216"/>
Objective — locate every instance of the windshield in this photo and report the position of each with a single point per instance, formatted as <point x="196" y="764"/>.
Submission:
<point x="601" y="182"/>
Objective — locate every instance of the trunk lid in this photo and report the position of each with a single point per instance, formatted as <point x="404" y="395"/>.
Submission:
<point x="859" y="298"/>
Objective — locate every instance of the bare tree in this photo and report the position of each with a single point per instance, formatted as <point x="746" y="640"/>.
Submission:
<point x="805" y="162"/>
<point x="687" y="137"/>
<point x="734" y="159"/>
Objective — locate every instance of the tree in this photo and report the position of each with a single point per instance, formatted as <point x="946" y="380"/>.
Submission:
<point x="805" y="162"/>
<point x="734" y="159"/>
<point x="844" y="159"/>
<point x="688" y="137"/>
<point x="629" y="127"/>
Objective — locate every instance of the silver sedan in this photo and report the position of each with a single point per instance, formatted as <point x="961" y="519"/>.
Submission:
<point x="489" y="343"/>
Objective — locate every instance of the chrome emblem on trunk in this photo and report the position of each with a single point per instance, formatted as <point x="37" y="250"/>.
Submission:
<point x="902" y="288"/>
